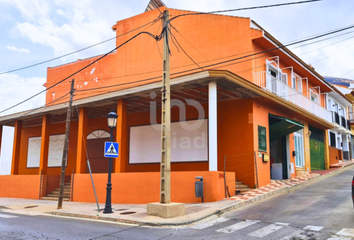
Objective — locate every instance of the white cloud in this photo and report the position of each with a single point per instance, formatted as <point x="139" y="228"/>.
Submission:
<point x="75" y="25"/>
<point x="21" y="50"/>
<point x="13" y="89"/>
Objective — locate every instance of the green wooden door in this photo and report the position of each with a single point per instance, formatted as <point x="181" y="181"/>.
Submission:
<point x="317" y="155"/>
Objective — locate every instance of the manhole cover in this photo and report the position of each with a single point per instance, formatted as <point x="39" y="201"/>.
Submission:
<point x="33" y="206"/>
<point x="127" y="213"/>
<point x="121" y="209"/>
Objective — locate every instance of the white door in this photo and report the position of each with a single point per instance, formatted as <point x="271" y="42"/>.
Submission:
<point x="299" y="148"/>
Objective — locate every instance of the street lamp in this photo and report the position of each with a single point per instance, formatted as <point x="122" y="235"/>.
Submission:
<point x="112" y="123"/>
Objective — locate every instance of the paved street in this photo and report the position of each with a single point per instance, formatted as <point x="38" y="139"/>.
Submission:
<point x="318" y="210"/>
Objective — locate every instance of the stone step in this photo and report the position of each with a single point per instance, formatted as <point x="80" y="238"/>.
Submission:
<point x="243" y="190"/>
<point x="57" y="195"/>
<point x="54" y="199"/>
<point x="242" y="186"/>
<point x="65" y="191"/>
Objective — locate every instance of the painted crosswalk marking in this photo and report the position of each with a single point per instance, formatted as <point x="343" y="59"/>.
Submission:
<point x="346" y="232"/>
<point x="7" y="216"/>
<point x="313" y="228"/>
<point x="237" y="226"/>
<point x="293" y="234"/>
<point x="210" y="223"/>
<point x="265" y="231"/>
<point x="282" y="224"/>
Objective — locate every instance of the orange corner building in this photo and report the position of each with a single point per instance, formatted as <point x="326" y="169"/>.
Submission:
<point x="240" y="99"/>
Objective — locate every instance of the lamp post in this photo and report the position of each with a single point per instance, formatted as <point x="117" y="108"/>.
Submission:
<point x="112" y="122"/>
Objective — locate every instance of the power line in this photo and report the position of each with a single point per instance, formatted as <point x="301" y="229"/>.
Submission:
<point x="35" y="109"/>
<point x="245" y="8"/>
<point x="173" y="37"/>
<point x="153" y="36"/>
<point x="80" y="50"/>
<point x="210" y="65"/>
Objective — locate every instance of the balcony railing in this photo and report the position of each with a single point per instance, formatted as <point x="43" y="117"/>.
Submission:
<point x="336" y="117"/>
<point x="276" y="86"/>
<point x="343" y="122"/>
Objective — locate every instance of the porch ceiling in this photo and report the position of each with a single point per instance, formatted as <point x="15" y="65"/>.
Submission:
<point x="138" y="101"/>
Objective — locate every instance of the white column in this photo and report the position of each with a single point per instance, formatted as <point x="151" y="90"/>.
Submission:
<point x="213" y="127"/>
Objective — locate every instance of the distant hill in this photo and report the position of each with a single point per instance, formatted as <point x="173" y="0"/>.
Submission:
<point x="339" y="81"/>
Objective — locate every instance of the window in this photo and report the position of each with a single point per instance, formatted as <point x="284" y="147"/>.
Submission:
<point x="314" y="97"/>
<point x="262" y="138"/>
<point x="273" y="72"/>
<point x="332" y="139"/>
<point x="296" y="83"/>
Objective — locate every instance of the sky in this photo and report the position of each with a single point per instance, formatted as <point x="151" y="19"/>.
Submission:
<point x="33" y="31"/>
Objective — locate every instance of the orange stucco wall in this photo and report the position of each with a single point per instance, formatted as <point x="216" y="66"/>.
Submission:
<point x="334" y="155"/>
<point x="139" y="188"/>
<point x="20" y="186"/>
<point x="261" y="110"/>
<point x="213" y="42"/>
<point x="235" y="139"/>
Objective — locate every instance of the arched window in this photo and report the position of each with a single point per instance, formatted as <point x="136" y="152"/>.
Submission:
<point x="97" y="134"/>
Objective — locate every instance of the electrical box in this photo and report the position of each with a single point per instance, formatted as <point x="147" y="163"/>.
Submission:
<point x="265" y="157"/>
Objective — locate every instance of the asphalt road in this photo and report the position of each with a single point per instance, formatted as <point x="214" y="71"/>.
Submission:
<point x="324" y="207"/>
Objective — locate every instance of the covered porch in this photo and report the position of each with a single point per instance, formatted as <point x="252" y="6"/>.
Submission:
<point x="196" y="102"/>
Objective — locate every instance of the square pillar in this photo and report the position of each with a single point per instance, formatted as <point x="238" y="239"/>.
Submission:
<point x="0" y="137"/>
<point x="43" y="160"/>
<point x="82" y="141"/>
<point x="326" y="149"/>
<point x="213" y="127"/>
<point x="121" y="136"/>
<point x="16" y="148"/>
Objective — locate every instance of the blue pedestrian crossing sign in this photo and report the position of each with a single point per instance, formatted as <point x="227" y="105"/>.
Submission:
<point x="111" y="149"/>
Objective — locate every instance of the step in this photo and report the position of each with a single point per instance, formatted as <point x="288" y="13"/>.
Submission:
<point x="243" y="190"/>
<point x="57" y="195"/>
<point x="242" y="186"/>
<point x="65" y="191"/>
<point x="65" y="188"/>
<point x="54" y="199"/>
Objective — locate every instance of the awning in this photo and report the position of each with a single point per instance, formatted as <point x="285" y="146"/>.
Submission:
<point x="282" y="126"/>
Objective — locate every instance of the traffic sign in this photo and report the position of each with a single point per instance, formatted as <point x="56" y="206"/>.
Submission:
<point x="111" y="149"/>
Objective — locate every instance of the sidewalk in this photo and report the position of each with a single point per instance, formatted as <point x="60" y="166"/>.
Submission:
<point x="136" y="213"/>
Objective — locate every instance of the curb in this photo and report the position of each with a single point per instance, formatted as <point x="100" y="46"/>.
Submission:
<point x="217" y="212"/>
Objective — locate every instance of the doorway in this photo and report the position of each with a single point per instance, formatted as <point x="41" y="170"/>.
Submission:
<point x="279" y="130"/>
<point x="279" y="151"/>
<point x="95" y="151"/>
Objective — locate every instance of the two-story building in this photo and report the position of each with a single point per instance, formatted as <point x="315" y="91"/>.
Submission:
<point x="251" y="105"/>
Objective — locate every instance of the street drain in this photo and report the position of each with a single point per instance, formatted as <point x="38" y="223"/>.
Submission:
<point x="127" y="213"/>
<point x="121" y="209"/>
<point x="32" y="206"/>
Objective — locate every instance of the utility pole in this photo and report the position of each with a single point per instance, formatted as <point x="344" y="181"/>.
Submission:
<point x="66" y="146"/>
<point x="165" y="184"/>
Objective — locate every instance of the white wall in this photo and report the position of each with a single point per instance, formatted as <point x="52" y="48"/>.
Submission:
<point x="187" y="145"/>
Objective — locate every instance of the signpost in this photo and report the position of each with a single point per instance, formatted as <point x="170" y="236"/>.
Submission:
<point x="111" y="149"/>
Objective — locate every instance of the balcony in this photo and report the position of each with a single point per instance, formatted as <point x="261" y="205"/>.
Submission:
<point x="351" y="117"/>
<point x="281" y="89"/>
